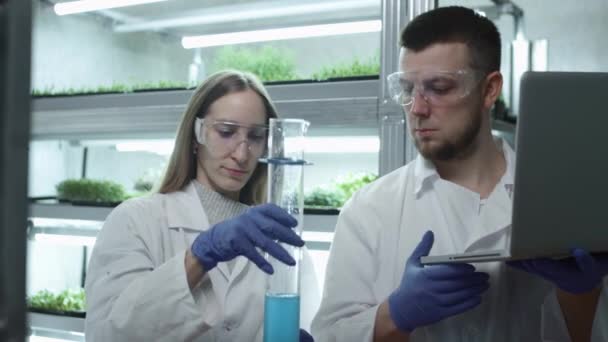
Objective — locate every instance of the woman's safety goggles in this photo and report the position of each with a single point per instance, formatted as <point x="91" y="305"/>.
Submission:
<point x="437" y="88"/>
<point x="224" y="137"/>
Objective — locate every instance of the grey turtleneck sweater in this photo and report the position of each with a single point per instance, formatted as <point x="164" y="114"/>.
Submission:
<point x="219" y="208"/>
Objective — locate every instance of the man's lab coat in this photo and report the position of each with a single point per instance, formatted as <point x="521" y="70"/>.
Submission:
<point x="383" y="223"/>
<point x="137" y="289"/>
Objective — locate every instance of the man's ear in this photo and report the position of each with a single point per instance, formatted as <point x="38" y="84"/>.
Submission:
<point x="492" y="88"/>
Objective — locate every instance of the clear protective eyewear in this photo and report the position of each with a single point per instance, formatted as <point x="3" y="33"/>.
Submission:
<point x="438" y="88"/>
<point x="224" y="137"/>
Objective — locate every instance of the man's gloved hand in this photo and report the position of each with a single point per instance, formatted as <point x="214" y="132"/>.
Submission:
<point x="258" y="227"/>
<point x="428" y="294"/>
<point x="579" y="274"/>
<point x="305" y="336"/>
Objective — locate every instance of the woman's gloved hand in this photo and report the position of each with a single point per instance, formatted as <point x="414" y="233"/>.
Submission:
<point x="258" y="227"/>
<point x="579" y="274"/>
<point x="305" y="336"/>
<point x="429" y="294"/>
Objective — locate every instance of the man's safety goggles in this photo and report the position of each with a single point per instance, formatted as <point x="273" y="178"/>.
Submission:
<point x="438" y="88"/>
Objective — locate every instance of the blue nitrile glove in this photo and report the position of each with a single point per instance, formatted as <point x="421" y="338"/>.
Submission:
<point x="257" y="227"/>
<point x="305" y="336"/>
<point x="579" y="274"/>
<point x="428" y="294"/>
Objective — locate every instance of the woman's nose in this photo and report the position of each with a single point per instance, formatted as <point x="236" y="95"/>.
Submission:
<point x="241" y="151"/>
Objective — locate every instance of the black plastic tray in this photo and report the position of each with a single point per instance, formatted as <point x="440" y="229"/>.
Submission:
<point x="77" y="314"/>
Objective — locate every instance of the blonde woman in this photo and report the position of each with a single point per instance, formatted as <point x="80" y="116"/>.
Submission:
<point x="184" y="264"/>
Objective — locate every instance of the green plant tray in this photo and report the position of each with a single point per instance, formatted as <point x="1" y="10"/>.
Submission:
<point x="54" y="200"/>
<point x="352" y="78"/>
<point x="332" y="79"/>
<point x="159" y="89"/>
<point x="90" y="203"/>
<point x="78" y="314"/>
<point x="321" y="211"/>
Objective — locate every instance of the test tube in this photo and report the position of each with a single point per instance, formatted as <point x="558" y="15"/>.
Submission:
<point x="285" y="189"/>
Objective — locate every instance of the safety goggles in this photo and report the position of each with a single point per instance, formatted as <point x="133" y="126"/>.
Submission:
<point x="224" y="137"/>
<point x="437" y="88"/>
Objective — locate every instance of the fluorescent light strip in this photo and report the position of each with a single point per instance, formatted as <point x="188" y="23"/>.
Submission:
<point x="66" y="239"/>
<point x="317" y="236"/>
<point x="363" y="144"/>
<point x="296" y="32"/>
<point x="35" y="338"/>
<point x="162" y="147"/>
<point x="73" y="7"/>
<point x="353" y="144"/>
<point x="54" y="222"/>
<point x="242" y="12"/>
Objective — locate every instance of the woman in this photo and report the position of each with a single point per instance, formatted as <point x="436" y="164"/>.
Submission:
<point x="180" y="265"/>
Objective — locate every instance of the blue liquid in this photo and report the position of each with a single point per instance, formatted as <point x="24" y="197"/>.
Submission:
<point x="282" y="318"/>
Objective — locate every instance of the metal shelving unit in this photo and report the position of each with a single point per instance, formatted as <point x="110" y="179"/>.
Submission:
<point x="345" y="105"/>
<point x="314" y="223"/>
<point x="156" y="113"/>
<point x="72" y="328"/>
<point x="68" y="211"/>
<point x="56" y="326"/>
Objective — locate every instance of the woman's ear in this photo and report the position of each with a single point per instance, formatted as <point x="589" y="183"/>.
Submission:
<point x="492" y="89"/>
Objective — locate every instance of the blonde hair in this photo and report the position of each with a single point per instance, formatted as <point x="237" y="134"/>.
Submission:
<point x="182" y="164"/>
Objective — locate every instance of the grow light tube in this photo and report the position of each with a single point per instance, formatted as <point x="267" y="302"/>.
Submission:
<point x="70" y="240"/>
<point x="161" y="147"/>
<point x="356" y="144"/>
<point x="81" y="6"/>
<point x="247" y="11"/>
<point x="344" y="144"/>
<point x="190" y="42"/>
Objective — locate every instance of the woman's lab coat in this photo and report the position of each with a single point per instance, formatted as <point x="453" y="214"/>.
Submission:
<point x="383" y="223"/>
<point x="137" y="290"/>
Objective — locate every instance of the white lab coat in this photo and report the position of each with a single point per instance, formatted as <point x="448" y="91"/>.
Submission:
<point x="137" y="290"/>
<point x="381" y="225"/>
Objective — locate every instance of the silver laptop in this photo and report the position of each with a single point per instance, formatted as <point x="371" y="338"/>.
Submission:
<point x="560" y="195"/>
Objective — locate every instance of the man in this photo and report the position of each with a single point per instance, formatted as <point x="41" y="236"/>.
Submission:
<point x="456" y="195"/>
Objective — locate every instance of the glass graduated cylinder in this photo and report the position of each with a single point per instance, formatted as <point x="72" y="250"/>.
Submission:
<point x="282" y="318"/>
<point x="285" y="190"/>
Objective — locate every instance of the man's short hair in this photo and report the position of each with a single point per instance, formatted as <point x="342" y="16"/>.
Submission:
<point x="456" y="24"/>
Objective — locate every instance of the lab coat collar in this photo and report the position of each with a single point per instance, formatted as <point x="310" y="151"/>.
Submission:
<point x="425" y="170"/>
<point x="509" y="176"/>
<point x="184" y="209"/>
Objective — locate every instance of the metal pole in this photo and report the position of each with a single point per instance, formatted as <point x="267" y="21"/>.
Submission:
<point x="395" y="148"/>
<point x="15" y="40"/>
<point x="85" y="158"/>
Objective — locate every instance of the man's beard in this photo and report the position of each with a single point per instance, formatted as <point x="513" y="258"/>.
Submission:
<point x="458" y="147"/>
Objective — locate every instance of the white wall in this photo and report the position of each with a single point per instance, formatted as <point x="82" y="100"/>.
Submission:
<point x="53" y="266"/>
<point x="329" y="166"/>
<point x="310" y="55"/>
<point x="105" y="162"/>
<point x="314" y="53"/>
<point x="576" y="30"/>
<point x="81" y="51"/>
<point x="51" y="162"/>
